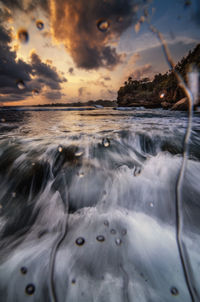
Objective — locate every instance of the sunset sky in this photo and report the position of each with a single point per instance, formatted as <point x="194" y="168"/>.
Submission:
<point x="70" y="59"/>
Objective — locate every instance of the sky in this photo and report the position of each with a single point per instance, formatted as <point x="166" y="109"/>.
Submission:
<point x="63" y="51"/>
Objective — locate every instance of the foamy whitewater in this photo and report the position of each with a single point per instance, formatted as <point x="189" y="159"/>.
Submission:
<point x="88" y="205"/>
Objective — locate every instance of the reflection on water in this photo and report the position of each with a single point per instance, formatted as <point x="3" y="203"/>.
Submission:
<point x="88" y="205"/>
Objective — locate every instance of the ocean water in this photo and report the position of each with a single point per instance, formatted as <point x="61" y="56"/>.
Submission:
<point x="88" y="205"/>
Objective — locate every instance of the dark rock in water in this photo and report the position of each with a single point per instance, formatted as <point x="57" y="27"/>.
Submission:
<point x="181" y="105"/>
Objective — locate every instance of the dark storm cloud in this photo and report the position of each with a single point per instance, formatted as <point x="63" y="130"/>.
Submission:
<point x="26" y="5"/>
<point x="53" y="95"/>
<point x="46" y="72"/>
<point x="35" y="75"/>
<point x="74" y="23"/>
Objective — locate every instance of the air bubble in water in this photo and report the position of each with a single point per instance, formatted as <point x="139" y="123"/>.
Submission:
<point x="23" y="36"/>
<point x="103" y="25"/>
<point x="80" y="241"/>
<point x="174" y="291"/>
<point x="23" y="270"/>
<point x="39" y="24"/>
<point x="30" y="289"/>
<point x="118" y="241"/>
<point x="20" y="85"/>
<point x="100" y="238"/>
<point x="106" y="142"/>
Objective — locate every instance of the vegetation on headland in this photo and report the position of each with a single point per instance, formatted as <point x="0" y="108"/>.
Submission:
<point x="104" y="103"/>
<point x="163" y="91"/>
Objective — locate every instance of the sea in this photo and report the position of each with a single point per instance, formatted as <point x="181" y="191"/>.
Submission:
<point x="92" y="208"/>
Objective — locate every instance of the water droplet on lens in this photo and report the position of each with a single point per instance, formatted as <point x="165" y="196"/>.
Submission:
<point x="23" y="270"/>
<point x="39" y="24"/>
<point x="106" y="223"/>
<point x="118" y="241"/>
<point x="106" y="142"/>
<point x="113" y="231"/>
<point x="124" y="232"/>
<point x="80" y="241"/>
<point x="23" y="36"/>
<point x="100" y="238"/>
<point x="103" y="25"/>
<point x="35" y="92"/>
<point x="20" y="84"/>
<point x="174" y="291"/>
<point x="60" y="149"/>
<point x="30" y="289"/>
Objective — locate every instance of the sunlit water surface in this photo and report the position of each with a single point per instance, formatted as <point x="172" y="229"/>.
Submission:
<point x="87" y="205"/>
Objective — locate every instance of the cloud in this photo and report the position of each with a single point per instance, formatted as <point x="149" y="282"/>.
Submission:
<point x="53" y="95"/>
<point x="34" y="74"/>
<point x="26" y="5"/>
<point x="74" y="25"/>
<point x="141" y="72"/>
<point x="81" y="91"/>
<point x="107" y="78"/>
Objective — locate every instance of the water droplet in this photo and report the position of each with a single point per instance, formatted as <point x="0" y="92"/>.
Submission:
<point x="106" y="223"/>
<point x="30" y="289"/>
<point x="100" y="238"/>
<point x="23" y="270"/>
<point x="124" y="232"/>
<point x="174" y="291"/>
<point x="118" y="241"/>
<point x="162" y="95"/>
<point x="106" y="142"/>
<point x="103" y="25"/>
<point x="60" y="149"/>
<point x="35" y="92"/>
<point x="23" y="35"/>
<point x="14" y="194"/>
<point x="20" y="85"/>
<point x="39" y="24"/>
<point x="80" y="241"/>
<point x="113" y="231"/>
<point x="73" y="281"/>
